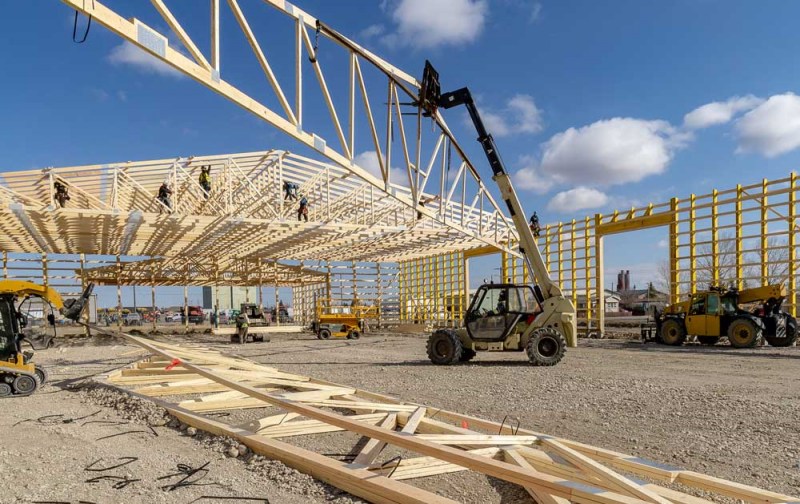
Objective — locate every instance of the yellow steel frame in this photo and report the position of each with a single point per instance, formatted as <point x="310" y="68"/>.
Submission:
<point x="744" y="236"/>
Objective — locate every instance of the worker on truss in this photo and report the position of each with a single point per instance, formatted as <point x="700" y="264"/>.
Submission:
<point x="535" y="227"/>
<point x="164" y="193"/>
<point x="302" y="210"/>
<point x="205" y="180"/>
<point x="290" y="191"/>
<point x="62" y="195"/>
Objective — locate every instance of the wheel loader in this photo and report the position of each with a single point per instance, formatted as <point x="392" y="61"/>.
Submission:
<point x="19" y="375"/>
<point x="717" y="313"/>
<point x="538" y="319"/>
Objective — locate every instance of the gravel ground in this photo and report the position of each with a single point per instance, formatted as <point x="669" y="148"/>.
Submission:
<point x="728" y="413"/>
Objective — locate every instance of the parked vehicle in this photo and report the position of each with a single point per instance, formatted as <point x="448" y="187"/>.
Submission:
<point x="132" y="319"/>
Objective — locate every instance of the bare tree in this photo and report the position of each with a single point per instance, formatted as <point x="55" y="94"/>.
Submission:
<point x="777" y="259"/>
<point x="726" y="262"/>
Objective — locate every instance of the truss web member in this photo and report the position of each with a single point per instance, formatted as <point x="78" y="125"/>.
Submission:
<point x="205" y="179"/>
<point x="302" y="210"/>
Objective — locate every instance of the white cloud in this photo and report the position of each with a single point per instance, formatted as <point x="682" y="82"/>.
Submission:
<point x="579" y="198"/>
<point x="128" y="54"/>
<point x="662" y="243"/>
<point x="100" y="95"/>
<point x="520" y="115"/>
<point x="368" y="160"/>
<point x="122" y="95"/>
<point x="530" y="178"/>
<point x="425" y="24"/>
<point x="612" y="151"/>
<point x="536" y="12"/>
<point x="772" y="128"/>
<point x="372" y="31"/>
<point x="715" y="113"/>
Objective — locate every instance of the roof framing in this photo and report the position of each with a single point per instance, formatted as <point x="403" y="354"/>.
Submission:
<point x="466" y="212"/>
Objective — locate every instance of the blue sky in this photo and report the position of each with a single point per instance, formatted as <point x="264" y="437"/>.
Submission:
<point x="595" y="105"/>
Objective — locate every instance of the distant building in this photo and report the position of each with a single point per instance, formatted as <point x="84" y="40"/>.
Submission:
<point x="642" y="301"/>
<point x="623" y="280"/>
<point x="230" y="298"/>
<point x="611" y="301"/>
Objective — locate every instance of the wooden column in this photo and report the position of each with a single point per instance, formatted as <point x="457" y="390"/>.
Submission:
<point x="153" y="293"/>
<point x="119" y="294"/>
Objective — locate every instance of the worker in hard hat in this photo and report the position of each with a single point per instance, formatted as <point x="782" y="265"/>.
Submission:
<point x="164" y="193"/>
<point x="302" y="210"/>
<point x="205" y="180"/>
<point x="242" y="325"/>
<point x="535" y="227"/>
<point x="61" y="193"/>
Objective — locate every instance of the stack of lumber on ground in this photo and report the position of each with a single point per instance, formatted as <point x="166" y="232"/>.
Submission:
<point x="552" y="470"/>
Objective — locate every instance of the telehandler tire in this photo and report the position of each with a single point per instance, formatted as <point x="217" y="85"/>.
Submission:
<point x="444" y="348"/>
<point x="708" y="340"/>
<point x="546" y="347"/>
<point x="673" y="332"/>
<point x="743" y="333"/>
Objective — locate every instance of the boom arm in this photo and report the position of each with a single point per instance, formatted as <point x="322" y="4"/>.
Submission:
<point x="528" y="246"/>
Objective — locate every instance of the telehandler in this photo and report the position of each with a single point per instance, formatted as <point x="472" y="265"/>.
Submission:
<point x="19" y="376"/>
<point x="715" y="313"/>
<point x="502" y="317"/>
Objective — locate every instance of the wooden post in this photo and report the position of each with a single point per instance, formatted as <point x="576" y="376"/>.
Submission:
<point x="119" y="294"/>
<point x="85" y="314"/>
<point x="277" y="296"/>
<point x="186" y="301"/>
<point x="153" y="294"/>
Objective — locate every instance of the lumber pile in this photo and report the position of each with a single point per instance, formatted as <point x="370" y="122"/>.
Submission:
<point x="399" y="441"/>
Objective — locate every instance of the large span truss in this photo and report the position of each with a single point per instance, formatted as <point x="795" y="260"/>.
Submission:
<point x="441" y="184"/>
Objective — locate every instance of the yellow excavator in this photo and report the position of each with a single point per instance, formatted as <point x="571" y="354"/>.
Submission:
<point x="538" y="319"/>
<point x="19" y="376"/>
<point x="717" y="312"/>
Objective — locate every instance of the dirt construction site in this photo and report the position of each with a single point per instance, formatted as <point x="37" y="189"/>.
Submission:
<point x="728" y="415"/>
<point x="373" y="316"/>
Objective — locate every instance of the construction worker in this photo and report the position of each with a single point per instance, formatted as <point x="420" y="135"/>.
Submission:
<point x="302" y="210"/>
<point x="535" y="227"/>
<point x="290" y="191"/>
<point x="242" y="323"/>
<point x="61" y="193"/>
<point x="205" y="179"/>
<point x="164" y="193"/>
